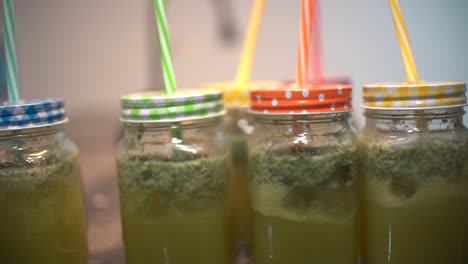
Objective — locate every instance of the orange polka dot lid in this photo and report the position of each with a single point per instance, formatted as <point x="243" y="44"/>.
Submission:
<point x="292" y="99"/>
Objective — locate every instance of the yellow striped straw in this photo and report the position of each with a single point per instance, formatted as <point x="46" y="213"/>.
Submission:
<point x="405" y="45"/>
<point x="245" y="67"/>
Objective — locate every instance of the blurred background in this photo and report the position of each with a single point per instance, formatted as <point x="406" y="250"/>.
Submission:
<point x="92" y="52"/>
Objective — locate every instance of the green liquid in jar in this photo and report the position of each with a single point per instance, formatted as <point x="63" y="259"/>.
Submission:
<point x="416" y="203"/>
<point x="42" y="214"/>
<point x="173" y="212"/>
<point x="304" y="204"/>
<point x="239" y="216"/>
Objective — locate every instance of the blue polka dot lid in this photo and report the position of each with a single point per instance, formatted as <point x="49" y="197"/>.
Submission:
<point x="32" y="114"/>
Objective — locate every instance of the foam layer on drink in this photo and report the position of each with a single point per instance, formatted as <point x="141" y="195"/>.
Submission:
<point x="181" y="184"/>
<point x="24" y="176"/>
<point x="311" y="184"/>
<point x="404" y="168"/>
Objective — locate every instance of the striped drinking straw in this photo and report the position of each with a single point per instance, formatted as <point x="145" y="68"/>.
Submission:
<point x="10" y="50"/>
<point x="245" y="66"/>
<point x="316" y="45"/>
<point x="165" y="47"/>
<point x="403" y="39"/>
<point x="307" y="11"/>
<point x="170" y="86"/>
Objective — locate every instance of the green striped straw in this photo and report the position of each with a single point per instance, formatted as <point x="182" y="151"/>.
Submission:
<point x="165" y="47"/>
<point x="10" y="50"/>
<point x="170" y="86"/>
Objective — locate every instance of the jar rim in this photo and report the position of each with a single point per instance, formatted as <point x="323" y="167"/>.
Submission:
<point x="62" y="122"/>
<point x="176" y="120"/>
<point x="366" y="107"/>
<point x="315" y="117"/>
<point x="255" y="113"/>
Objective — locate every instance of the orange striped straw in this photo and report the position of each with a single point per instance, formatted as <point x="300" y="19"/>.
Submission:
<point x="316" y="39"/>
<point x="302" y="77"/>
<point x="403" y="39"/>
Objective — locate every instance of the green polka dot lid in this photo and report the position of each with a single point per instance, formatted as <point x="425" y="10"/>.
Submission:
<point x="183" y="105"/>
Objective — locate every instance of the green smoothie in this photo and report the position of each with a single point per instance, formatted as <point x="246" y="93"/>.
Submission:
<point x="304" y="203"/>
<point x="416" y="202"/>
<point x="236" y="127"/>
<point x="42" y="213"/>
<point x="173" y="212"/>
<point x="239" y="216"/>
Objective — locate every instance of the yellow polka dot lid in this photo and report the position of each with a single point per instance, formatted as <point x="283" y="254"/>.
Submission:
<point x="414" y="95"/>
<point x="235" y="95"/>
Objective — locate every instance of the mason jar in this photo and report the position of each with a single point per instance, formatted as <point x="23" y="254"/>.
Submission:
<point x="41" y="202"/>
<point x="303" y="181"/>
<point x="237" y="126"/>
<point x="413" y="160"/>
<point x="173" y="178"/>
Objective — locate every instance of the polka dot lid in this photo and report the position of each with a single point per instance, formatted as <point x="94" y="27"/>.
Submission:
<point x="183" y="105"/>
<point x="414" y="96"/>
<point x="312" y="99"/>
<point x="338" y="79"/>
<point x="235" y="95"/>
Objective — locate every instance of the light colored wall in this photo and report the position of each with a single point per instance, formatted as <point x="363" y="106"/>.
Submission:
<point x="88" y="51"/>
<point x="91" y="52"/>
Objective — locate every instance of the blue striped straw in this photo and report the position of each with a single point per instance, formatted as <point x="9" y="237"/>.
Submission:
<point x="10" y="50"/>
